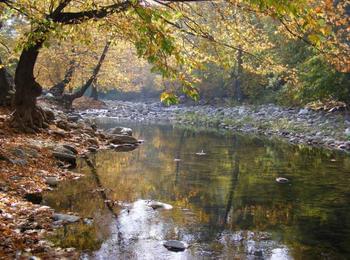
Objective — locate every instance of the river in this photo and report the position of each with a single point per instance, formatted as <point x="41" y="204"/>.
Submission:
<point x="226" y="201"/>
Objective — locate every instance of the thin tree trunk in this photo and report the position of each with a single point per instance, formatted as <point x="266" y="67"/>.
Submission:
<point x="69" y="98"/>
<point x="58" y="89"/>
<point x="6" y="85"/>
<point x="94" y="92"/>
<point x="237" y="75"/>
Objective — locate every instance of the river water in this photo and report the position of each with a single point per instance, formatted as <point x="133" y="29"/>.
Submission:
<point x="226" y="202"/>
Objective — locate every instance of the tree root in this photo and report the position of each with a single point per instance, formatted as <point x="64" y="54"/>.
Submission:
<point x="30" y="120"/>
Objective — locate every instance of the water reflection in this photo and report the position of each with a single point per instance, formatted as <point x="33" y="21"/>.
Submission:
<point x="226" y="204"/>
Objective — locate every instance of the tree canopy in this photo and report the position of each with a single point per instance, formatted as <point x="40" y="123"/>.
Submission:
<point x="252" y="46"/>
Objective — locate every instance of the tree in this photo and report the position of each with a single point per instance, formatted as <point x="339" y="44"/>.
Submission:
<point x="28" y="116"/>
<point x="6" y="85"/>
<point x="150" y="27"/>
<point x="58" y="89"/>
<point x="69" y="98"/>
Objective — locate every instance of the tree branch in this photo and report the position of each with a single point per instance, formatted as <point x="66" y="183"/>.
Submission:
<point x="79" y="17"/>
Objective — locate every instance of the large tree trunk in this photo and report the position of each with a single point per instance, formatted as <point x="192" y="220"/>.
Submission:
<point x="6" y="86"/>
<point x="59" y="88"/>
<point x="69" y="98"/>
<point x="28" y="117"/>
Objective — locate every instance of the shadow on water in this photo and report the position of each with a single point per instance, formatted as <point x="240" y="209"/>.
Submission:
<point x="226" y="203"/>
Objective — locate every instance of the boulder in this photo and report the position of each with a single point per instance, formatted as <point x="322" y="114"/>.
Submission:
<point x="122" y="139"/>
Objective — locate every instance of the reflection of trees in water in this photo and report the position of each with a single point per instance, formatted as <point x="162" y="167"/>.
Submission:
<point x="178" y="155"/>
<point x="234" y="183"/>
<point x="224" y="192"/>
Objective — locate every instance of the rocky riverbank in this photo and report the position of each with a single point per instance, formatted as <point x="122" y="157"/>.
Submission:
<point x="33" y="163"/>
<point x="329" y="129"/>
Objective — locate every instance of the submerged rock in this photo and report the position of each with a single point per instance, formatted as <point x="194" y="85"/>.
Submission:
<point x="124" y="147"/>
<point x="282" y="180"/>
<point x="175" y="245"/>
<point x="123" y="139"/>
<point x="201" y="153"/>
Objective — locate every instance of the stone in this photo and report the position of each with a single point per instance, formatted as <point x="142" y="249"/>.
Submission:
<point x="342" y="146"/>
<point x="92" y="149"/>
<point x="120" y="131"/>
<point x="282" y="180"/>
<point x="21" y="162"/>
<point x="52" y="181"/>
<point x="63" y="149"/>
<point x="347" y="132"/>
<point x="19" y="153"/>
<point x="123" y="139"/>
<point x="74" y="118"/>
<point x="159" y="205"/>
<point x="303" y="111"/>
<point x="65" y="218"/>
<point x="258" y="253"/>
<point x="88" y="221"/>
<point x="93" y="141"/>
<point x="175" y="245"/>
<point x="65" y="157"/>
<point x="49" y="114"/>
<point x="3" y="157"/>
<point x="63" y="125"/>
<point x="70" y="148"/>
<point x="35" y="198"/>
<point x="58" y="132"/>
